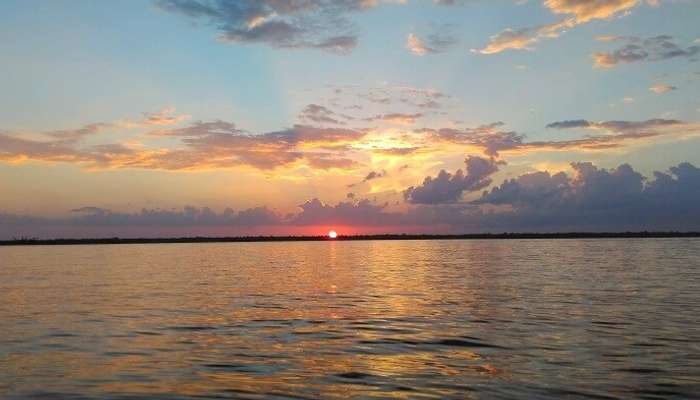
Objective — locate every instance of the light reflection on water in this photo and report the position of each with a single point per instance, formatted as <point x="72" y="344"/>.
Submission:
<point x="399" y="319"/>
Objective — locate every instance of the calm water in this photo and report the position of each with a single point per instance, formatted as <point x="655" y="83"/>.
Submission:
<point x="414" y="319"/>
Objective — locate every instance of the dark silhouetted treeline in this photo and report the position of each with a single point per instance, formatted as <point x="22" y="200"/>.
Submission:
<point x="243" y="239"/>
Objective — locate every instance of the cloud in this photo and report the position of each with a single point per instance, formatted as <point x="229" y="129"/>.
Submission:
<point x="188" y="216"/>
<point x="448" y="188"/>
<point x="200" y="145"/>
<point x="609" y="38"/>
<point x="360" y="213"/>
<point x="353" y="97"/>
<point x="14" y="149"/>
<point x="374" y="175"/>
<point x="416" y="46"/>
<point x="657" y="48"/>
<point x="434" y="43"/>
<point x="584" y="11"/>
<point x="619" y="127"/>
<point x="599" y="199"/>
<point x="329" y="161"/>
<point x="591" y="199"/>
<point x="217" y="144"/>
<point x="397" y="151"/>
<point x="614" y="134"/>
<point x="493" y="140"/>
<point x="67" y="137"/>
<point x="490" y="138"/>
<point x="576" y="123"/>
<point x="396" y="118"/>
<point x="163" y="117"/>
<point x="320" y="114"/>
<point x="430" y="104"/>
<point x="206" y="145"/>
<point x="659" y="89"/>
<point x="520" y="39"/>
<point x="579" y="12"/>
<point x="315" y="24"/>
<point x="91" y="210"/>
<point x="199" y="128"/>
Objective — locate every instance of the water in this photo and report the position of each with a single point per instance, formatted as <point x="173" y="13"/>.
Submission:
<point x="495" y="319"/>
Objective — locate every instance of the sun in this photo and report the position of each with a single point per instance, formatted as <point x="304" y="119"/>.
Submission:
<point x="332" y="234"/>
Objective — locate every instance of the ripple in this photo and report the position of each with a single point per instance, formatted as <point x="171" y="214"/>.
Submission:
<point x="353" y="375"/>
<point x="592" y="319"/>
<point x="256" y="369"/>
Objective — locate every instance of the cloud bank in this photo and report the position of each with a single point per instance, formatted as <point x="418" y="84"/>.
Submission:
<point x="591" y="199"/>
<point x="325" y="139"/>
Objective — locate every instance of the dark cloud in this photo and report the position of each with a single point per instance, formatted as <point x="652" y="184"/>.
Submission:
<point x="361" y="213"/>
<point x="320" y="114"/>
<point x="592" y="199"/>
<point x="374" y="175"/>
<point x="576" y="123"/>
<point x="318" y="24"/>
<point x="599" y="199"/>
<point x="656" y="48"/>
<point x="448" y="188"/>
<point x="187" y="216"/>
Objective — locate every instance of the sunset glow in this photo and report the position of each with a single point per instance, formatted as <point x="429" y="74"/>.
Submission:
<point x="259" y="117"/>
<point x="332" y="234"/>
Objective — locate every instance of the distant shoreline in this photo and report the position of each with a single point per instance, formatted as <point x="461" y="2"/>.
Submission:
<point x="252" y="239"/>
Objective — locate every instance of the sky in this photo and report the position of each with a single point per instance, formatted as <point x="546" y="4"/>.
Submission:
<point x="272" y="117"/>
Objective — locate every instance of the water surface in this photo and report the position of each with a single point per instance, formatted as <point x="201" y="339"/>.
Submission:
<point x="493" y="319"/>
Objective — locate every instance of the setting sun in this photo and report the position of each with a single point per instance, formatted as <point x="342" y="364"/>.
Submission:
<point x="332" y="234"/>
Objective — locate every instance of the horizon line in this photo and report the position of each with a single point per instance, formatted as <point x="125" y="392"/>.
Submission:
<point x="24" y="241"/>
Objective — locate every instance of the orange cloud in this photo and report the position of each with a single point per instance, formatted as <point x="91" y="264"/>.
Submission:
<point x="416" y="46"/>
<point x="584" y="11"/>
<point x="221" y="144"/>
<point x="580" y="11"/>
